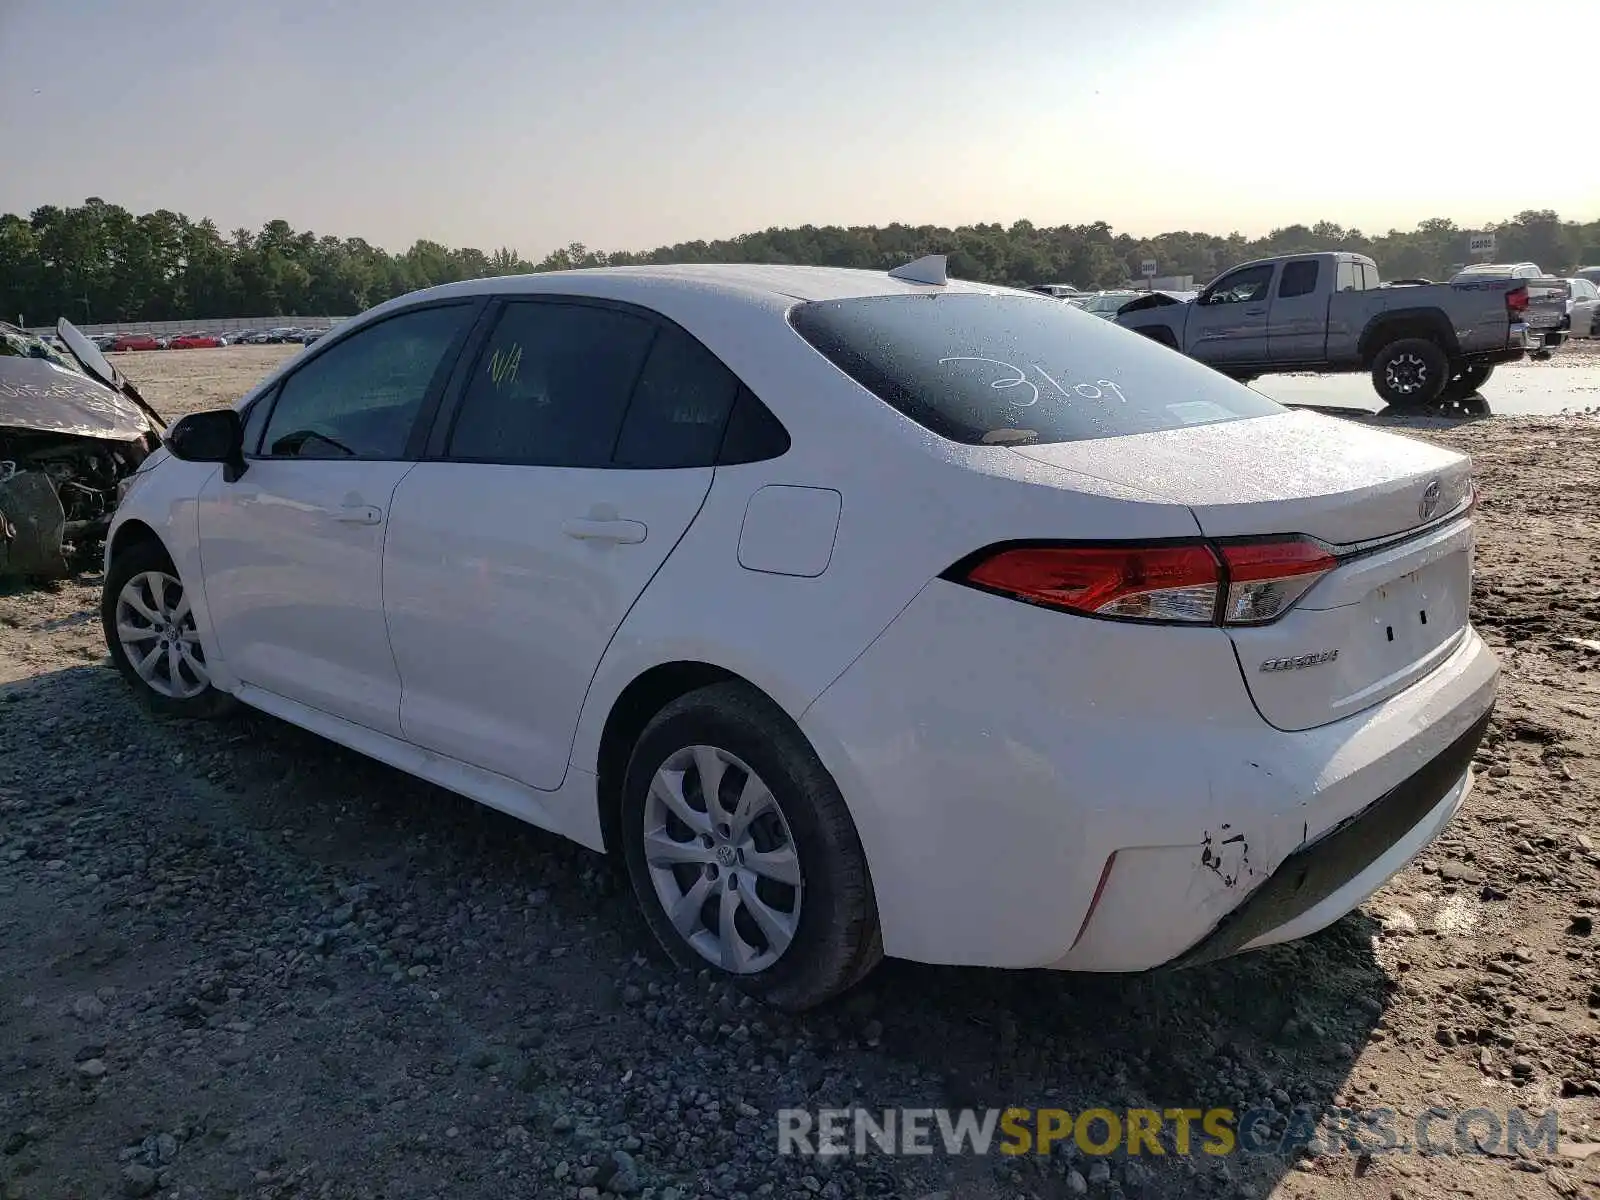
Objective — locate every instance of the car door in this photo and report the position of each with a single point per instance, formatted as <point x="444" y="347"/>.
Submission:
<point x="1585" y="301"/>
<point x="575" y="450"/>
<point x="292" y="549"/>
<point x="1297" y="316"/>
<point x="1229" y="321"/>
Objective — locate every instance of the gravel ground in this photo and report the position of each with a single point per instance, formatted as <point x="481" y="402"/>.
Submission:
<point x="236" y="960"/>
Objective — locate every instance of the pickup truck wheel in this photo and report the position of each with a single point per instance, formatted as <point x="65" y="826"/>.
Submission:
<point x="1465" y="382"/>
<point x="1410" y="373"/>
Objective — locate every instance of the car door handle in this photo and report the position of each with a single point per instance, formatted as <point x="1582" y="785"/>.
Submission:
<point x="625" y="532"/>
<point x="359" y="514"/>
<point x="1255" y="312"/>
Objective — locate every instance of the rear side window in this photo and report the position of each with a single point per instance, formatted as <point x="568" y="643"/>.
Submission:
<point x="1299" y="278"/>
<point x="551" y="385"/>
<point x="1345" y="278"/>
<point x="753" y="433"/>
<point x="680" y="406"/>
<point x="1010" y="370"/>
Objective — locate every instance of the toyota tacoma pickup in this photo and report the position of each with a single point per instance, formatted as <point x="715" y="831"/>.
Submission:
<point x="1423" y="343"/>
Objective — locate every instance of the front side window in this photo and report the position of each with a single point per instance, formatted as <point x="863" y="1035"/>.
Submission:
<point x="551" y="386"/>
<point x="1008" y="370"/>
<point x="1245" y="286"/>
<point x="360" y="398"/>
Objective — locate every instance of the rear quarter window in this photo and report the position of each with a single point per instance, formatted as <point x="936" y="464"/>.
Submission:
<point x="1017" y="370"/>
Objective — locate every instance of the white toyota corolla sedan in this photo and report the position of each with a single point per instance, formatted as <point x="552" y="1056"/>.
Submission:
<point x="861" y="613"/>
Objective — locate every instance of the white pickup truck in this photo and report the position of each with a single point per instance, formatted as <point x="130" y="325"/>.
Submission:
<point x="1422" y="342"/>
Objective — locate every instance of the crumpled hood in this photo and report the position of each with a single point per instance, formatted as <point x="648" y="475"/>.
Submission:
<point x="41" y="397"/>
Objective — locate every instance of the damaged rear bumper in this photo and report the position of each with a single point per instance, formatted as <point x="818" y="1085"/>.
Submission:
<point x="1102" y="797"/>
<point x="1320" y="883"/>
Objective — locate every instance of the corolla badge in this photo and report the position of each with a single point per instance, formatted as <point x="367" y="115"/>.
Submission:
<point x="1299" y="662"/>
<point x="1429" y="504"/>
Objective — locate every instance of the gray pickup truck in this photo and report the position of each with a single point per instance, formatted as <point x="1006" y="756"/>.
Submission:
<point x="1422" y="342"/>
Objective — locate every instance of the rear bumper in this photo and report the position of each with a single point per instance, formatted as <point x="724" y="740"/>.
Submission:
<point x="1527" y="338"/>
<point x="1317" y="885"/>
<point x="996" y="757"/>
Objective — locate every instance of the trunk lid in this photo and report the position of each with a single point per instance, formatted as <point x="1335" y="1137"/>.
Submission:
<point x="1396" y="605"/>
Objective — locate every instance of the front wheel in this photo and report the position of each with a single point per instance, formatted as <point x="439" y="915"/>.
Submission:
<point x="150" y="631"/>
<point x="741" y="851"/>
<point x="1410" y="373"/>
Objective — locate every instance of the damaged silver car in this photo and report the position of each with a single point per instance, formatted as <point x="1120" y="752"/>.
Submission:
<point x="72" y="429"/>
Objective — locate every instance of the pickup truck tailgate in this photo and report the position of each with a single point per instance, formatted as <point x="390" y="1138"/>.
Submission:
<point x="1547" y="303"/>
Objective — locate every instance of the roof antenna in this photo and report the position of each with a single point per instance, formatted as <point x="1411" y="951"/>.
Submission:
<point x="927" y="269"/>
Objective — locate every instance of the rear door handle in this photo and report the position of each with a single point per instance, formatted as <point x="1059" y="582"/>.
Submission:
<point x="626" y="532"/>
<point x="359" y="514"/>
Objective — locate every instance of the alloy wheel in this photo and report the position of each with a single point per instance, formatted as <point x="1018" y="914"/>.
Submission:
<point x="722" y="859"/>
<point x="1406" y="373"/>
<point x="156" y="629"/>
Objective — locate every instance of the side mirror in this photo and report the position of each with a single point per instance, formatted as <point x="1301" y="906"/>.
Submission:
<point x="210" y="437"/>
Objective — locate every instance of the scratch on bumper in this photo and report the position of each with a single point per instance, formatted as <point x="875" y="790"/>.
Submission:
<point x="1227" y="855"/>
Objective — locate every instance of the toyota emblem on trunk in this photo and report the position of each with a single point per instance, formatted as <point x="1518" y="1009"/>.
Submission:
<point x="1430" y="500"/>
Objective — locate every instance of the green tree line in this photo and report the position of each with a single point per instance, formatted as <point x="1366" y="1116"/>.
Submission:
<point x="98" y="262"/>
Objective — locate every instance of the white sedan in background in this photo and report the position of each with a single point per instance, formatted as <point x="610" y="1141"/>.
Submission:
<point x="860" y="613"/>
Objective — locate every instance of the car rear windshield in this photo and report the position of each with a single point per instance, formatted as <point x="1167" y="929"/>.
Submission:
<point x="989" y="369"/>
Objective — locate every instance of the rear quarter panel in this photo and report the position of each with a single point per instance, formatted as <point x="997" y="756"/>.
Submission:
<point x="1472" y="316"/>
<point x="911" y="505"/>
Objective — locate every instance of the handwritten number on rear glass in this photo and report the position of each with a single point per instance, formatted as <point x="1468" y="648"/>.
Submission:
<point x="1019" y="378"/>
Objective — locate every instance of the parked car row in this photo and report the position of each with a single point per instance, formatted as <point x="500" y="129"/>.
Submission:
<point x="122" y="342"/>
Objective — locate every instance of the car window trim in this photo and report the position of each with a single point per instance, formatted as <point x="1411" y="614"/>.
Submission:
<point x="444" y="421"/>
<point x="430" y="399"/>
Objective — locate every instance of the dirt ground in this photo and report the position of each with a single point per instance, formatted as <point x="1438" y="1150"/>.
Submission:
<point x="238" y="961"/>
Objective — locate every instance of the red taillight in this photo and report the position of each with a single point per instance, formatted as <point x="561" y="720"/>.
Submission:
<point x="1151" y="583"/>
<point x="1256" y="582"/>
<point x="1266" y="578"/>
<point x="1517" y="300"/>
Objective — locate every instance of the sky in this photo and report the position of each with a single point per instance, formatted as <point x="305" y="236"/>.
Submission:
<point x="627" y="124"/>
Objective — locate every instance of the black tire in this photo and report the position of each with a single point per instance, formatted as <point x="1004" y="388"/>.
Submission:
<point x="1420" y="371"/>
<point x="836" y="940"/>
<point x="141" y="558"/>
<point x="1466" y="381"/>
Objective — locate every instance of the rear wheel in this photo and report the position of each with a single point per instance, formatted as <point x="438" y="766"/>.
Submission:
<point x="150" y="631"/>
<point x="1466" y="381"/>
<point x="1410" y="373"/>
<point x="741" y="852"/>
